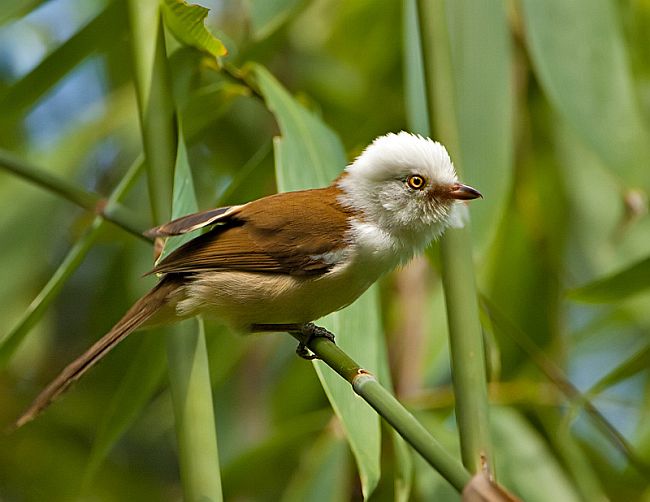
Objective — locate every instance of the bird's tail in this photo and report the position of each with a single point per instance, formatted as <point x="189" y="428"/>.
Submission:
<point x="136" y="316"/>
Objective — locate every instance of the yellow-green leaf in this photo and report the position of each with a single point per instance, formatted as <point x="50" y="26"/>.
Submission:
<point x="187" y="23"/>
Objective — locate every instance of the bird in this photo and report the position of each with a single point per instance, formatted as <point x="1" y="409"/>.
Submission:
<point x="280" y="262"/>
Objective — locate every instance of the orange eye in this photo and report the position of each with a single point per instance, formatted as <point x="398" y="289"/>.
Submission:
<point x="416" y="182"/>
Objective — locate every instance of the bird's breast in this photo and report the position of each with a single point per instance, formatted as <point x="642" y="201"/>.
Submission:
<point x="241" y="299"/>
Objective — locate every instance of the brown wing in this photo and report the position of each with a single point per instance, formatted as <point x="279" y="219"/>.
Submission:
<point x="292" y="233"/>
<point x="192" y="222"/>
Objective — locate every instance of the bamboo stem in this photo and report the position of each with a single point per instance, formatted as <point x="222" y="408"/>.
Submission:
<point x="111" y="211"/>
<point x="465" y="335"/>
<point x="387" y="406"/>
<point x="187" y="353"/>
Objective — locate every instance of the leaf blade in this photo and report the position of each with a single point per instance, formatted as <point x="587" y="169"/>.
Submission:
<point x="589" y="84"/>
<point x="309" y="154"/>
<point x="187" y="23"/>
<point x="615" y="287"/>
<point x="267" y="16"/>
<point x="481" y="68"/>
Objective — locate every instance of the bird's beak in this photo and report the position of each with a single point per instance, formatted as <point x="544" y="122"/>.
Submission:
<point x="463" y="192"/>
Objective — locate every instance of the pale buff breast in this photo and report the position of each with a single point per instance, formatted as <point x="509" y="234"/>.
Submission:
<point x="259" y="298"/>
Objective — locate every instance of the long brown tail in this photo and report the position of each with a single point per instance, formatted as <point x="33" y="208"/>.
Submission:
<point x="137" y="315"/>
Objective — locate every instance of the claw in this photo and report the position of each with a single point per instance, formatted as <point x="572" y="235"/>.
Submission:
<point x="302" y="351"/>
<point x="310" y="331"/>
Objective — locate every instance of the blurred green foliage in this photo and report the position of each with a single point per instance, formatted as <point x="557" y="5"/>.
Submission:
<point x="562" y="250"/>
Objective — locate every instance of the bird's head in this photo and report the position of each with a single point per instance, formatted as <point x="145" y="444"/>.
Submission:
<point x="406" y="185"/>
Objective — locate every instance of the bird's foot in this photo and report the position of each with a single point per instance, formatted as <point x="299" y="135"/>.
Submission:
<point x="309" y="331"/>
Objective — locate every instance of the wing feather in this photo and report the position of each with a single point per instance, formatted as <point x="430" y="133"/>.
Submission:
<point x="297" y="233"/>
<point x="194" y="221"/>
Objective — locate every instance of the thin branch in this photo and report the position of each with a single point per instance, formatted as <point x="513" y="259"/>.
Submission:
<point x="387" y="406"/>
<point x="110" y="210"/>
<point x="73" y="259"/>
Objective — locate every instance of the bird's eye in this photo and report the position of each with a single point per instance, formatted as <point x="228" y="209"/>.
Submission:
<point x="415" y="181"/>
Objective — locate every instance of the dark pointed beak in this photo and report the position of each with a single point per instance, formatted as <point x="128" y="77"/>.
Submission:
<point x="463" y="192"/>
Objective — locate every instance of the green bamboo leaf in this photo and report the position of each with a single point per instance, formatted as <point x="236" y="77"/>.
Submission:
<point x="187" y="23"/>
<point x="12" y="9"/>
<point x="520" y="445"/>
<point x="34" y="313"/>
<point x="171" y="192"/>
<point x="589" y="84"/>
<point x="358" y="333"/>
<point x="309" y="154"/>
<point x="266" y="16"/>
<point x="574" y="457"/>
<point x="99" y="34"/>
<point x="636" y="363"/>
<point x="616" y="287"/>
<point x="10" y="343"/>
<point x="281" y="449"/>
<point x="193" y="411"/>
<point x="184" y="201"/>
<point x="481" y="60"/>
<point x="141" y="380"/>
<point x="147" y="368"/>
<point x="322" y="476"/>
<point x="189" y="371"/>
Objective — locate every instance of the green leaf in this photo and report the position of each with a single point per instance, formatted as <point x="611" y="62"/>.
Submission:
<point x="171" y="191"/>
<point x="280" y="449"/>
<point x="616" y="287"/>
<point x="99" y="34"/>
<point x="187" y="23"/>
<point x="10" y="343"/>
<point x="189" y="371"/>
<point x="196" y="434"/>
<point x="140" y="381"/>
<point x="267" y="15"/>
<point x="589" y="83"/>
<point x="574" y="457"/>
<point x="309" y="154"/>
<point x="147" y="368"/>
<point x="322" y="475"/>
<point x="184" y="199"/>
<point x="12" y="9"/>
<point x="636" y="363"/>
<point x="481" y="61"/>
<point x="525" y="465"/>
<point x="415" y="92"/>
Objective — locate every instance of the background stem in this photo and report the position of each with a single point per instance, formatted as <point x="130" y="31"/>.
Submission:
<point x="390" y="409"/>
<point x="187" y="354"/>
<point x="465" y="335"/>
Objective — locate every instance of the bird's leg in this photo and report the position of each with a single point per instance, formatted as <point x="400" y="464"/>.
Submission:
<point x="307" y="332"/>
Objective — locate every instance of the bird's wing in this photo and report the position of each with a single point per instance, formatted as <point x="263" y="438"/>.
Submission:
<point x="301" y="233"/>
<point x="194" y="221"/>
